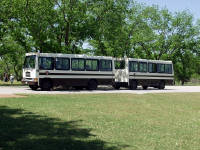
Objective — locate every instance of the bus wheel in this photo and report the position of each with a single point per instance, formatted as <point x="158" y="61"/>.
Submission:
<point x="116" y="86"/>
<point x="92" y="85"/>
<point x="161" y="85"/>
<point x="144" y="87"/>
<point x="46" y="85"/>
<point x="133" y="85"/>
<point x="78" y="87"/>
<point x="33" y="87"/>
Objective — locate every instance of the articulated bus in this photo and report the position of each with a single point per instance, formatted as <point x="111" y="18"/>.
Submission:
<point x="48" y="70"/>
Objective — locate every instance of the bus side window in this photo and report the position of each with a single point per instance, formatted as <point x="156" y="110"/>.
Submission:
<point x="105" y="65"/>
<point x="152" y="67"/>
<point x="78" y="64"/>
<point x="133" y="66"/>
<point x="168" y="68"/>
<point x="119" y="64"/>
<point x="142" y="67"/>
<point x="46" y="63"/>
<point x="92" y="65"/>
<point x="62" y="64"/>
<point x="161" y="68"/>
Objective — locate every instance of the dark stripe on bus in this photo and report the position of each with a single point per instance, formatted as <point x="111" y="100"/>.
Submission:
<point x="148" y="76"/>
<point x="76" y="74"/>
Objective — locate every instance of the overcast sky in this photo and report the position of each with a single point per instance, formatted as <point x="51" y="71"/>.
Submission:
<point x="177" y="5"/>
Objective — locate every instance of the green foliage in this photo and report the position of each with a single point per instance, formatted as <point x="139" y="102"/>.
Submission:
<point x="12" y="59"/>
<point x="185" y="44"/>
<point x="111" y="28"/>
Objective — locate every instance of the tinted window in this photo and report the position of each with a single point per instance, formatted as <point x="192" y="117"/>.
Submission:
<point x="143" y="67"/>
<point x="78" y="64"/>
<point x="29" y="62"/>
<point x="119" y="64"/>
<point x="62" y="63"/>
<point x="133" y="66"/>
<point x="105" y="65"/>
<point x="92" y="65"/>
<point x="161" y="68"/>
<point x="152" y="67"/>
<point x="46" y="63"/>
<point x="168" y="68"/>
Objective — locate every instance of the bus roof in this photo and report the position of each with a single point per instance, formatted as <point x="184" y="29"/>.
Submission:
<point x="93" y="57"/>
<point x="69" y="55"/>
<point x="147" y="60"/>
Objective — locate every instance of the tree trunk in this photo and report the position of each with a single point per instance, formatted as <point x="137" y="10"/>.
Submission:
<point x="16" y="73"/>
<point x="59" y="39"/>
<point x="182" y="82"/>
<point x="67" y="34"/>
<point x="7" y="69"/>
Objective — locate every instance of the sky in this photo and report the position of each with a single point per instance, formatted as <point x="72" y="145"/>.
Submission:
<point x="177" y="5"/>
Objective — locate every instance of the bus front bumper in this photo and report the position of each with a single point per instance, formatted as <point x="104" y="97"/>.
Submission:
<point x="30" y="81"/>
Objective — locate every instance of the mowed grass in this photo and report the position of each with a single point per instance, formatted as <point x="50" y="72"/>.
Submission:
<point x="101" y="121"/>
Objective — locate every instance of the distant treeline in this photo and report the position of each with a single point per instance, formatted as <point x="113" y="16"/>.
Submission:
<point x="99" y="27"/>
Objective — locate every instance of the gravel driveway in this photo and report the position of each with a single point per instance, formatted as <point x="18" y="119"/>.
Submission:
<point x="169" y="89"/>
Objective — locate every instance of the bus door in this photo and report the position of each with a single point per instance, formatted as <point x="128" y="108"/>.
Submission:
<point x="121" y="70"/>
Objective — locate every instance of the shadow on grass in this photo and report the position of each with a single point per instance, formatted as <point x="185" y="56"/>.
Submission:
<point x="20" y="130"/>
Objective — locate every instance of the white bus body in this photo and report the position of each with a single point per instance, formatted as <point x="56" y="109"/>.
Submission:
<point x="153" y="73"/>
<point x="46" y="70"/>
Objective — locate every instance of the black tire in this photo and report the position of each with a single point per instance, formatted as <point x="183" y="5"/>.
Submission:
<point x="78" y="87"/>
<point x="144" y="87"/>
<point x="46" y="85"/>
<point x="161" y="85"/>
<point x="116" y="86"/>
<point x="92" y="85"/>
<point x="133" y="85"/>
<point x="33" y="87"/>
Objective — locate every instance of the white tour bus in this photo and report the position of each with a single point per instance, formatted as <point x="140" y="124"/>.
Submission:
<point x="46" y="70"/>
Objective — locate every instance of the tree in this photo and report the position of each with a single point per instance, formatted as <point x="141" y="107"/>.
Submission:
<point x="108" y="22"/>
<point x="112" y="27"/>
<point x="152" y="33"/>
<point x="184" y="45"/>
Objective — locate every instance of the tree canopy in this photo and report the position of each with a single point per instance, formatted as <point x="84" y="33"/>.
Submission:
<point x="108" y="27"/>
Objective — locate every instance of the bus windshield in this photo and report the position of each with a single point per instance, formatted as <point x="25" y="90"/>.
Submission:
<point x="29" y="61"/>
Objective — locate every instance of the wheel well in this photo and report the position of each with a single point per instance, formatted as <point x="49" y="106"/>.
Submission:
<point x="133" y="80"/>
<point x="46" y="80"/>
<point x="93" y="80"/>
<point x="162" y="81"/>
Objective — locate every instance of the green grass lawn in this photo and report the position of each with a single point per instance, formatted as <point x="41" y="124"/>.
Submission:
<point x="188" y="84"/>
<point x="101" y="122"/>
